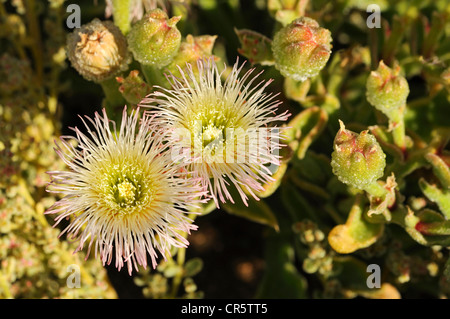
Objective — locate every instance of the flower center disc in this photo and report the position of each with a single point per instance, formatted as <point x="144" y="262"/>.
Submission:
<point x="126" y="193"/>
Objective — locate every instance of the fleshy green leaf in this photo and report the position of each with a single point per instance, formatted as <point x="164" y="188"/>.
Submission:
<point x="352" y="274"/>
<point x="256" y="211"/>
<point x="356" y="233"/>
<point x="255" y="47"/>
<point x="440" y="169"/>
<point x="439" y="196"/>
<point x="193" y="267"/>
<point x="304" y="128"/>
<point x="281" y="278"/>
<point x="271" y="187"/>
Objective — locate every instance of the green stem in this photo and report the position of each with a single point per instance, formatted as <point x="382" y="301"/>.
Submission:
<point x="181" y="257"/>
<point x="375" y="189"/>
<point x="394" y="39"/>
<point x="396" y="119"/>
<point x="153" y="75"/>
<point x="310" y="187"/>
<point x="432" y="38"/>
<point x="114" y="101"/>
<point x="121" y="13"/>
<point x="373" y="44"/>
<point x="301" y="7"/>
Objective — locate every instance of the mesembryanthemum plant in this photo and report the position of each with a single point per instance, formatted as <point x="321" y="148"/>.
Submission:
<point x="123" y="192"/>
<point x="221" y="127"/>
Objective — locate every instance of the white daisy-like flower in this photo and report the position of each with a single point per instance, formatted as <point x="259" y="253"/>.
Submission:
<point x="225" y="129"/>
<point x="123" y="192"/>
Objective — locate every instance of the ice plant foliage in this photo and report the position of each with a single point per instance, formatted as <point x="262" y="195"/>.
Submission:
<point x="123" y="192"/>
<point x="221" y="127"/>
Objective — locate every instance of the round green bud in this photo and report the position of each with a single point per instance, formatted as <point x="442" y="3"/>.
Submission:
<point x="357" y="159"/>
<point x="386" y="89"/>
<point x="301" y="49"/>
<point x="154" y="40"/>
<point x="98" y="50"/>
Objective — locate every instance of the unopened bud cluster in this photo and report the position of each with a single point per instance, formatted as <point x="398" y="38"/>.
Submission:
<point x="318" y="259"/>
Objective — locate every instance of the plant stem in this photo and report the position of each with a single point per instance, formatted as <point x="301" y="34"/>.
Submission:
<point x="113" y="98"/>
<point x="121" y="13"/>
<point x="153" y="75"/>
<point x="394" y="39"/>
<point x="375" y="189"/>
<point x="373" y="44"/>
<point x="398" y="128"/>
<point x="181" y="257"/>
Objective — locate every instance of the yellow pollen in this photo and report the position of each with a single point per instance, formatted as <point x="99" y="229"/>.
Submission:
<point x="211" y="133"/>
<point x="127" y="192"/>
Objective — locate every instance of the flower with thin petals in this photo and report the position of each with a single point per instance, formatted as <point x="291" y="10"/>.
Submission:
<point x="123" y="192"/>
<point x="221" y="127"/>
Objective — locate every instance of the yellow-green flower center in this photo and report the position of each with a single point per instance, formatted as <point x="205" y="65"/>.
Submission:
<point x="212" y="135"/>
<point x="208" y="123"/>
<point x="126" y="192"/>
<point x="126" y="188"/>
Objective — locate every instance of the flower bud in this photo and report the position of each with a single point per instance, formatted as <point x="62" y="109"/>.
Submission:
<point x="98" y="50"/>
<point x="191" y="50"/>
<point x="256" y="47"/>
<point x="386" y="89"/>
<point x="154" y="40"/>
<point x="133" y="87"/>
<point x="358" y="159"/>
<point x="301" y="49"/>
